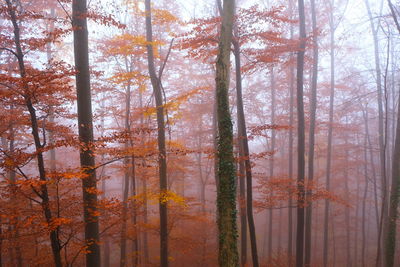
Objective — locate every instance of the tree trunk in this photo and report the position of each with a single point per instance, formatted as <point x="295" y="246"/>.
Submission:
<point x="45" y="202"/>
<point x="382" y="137"/>
<point x="390" y="240"/>
<point x="363" y="215"/>
<point x="347" y="208"/>
<point x="330" y="133"/>
<point x="162" y="154"/>
<point x="242" y="208"/>
<point x="106" y="241"/>
<point x="135" y="241"/>
<point x="243" y="141"/>
<point x="300" y="139"/>
<point x="127" y="177"/>
<point x="311" y="142"/>
<point x="144" y="181"/>
<point x="271" y="162"/>
<point x="290" y="160"/>
<point x="87" y="159"/>
<point x="226" y="194"/>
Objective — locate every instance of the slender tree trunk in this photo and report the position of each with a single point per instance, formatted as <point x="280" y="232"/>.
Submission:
<point x="311" y="142"/>
<point x="382" y="138"/>
<point x="242" y="209"/>
<point x="290" y="160"/>
<point x="347" y="208"/>
<point x="330" y="133"/>
<point x="245" y="154"/>
<point x="271" y="162"/>
<point x="300" y="139"/>
<point x="357" y="212"/>
<point x="363" y="216"/>
<point x="162" y="154"/>
<point x="144" y="181"/>
<point x="200" y="168"/>
<point x="390" y="240"/>
<point x="127" y="177"/>
<point x="106" y="240"/>
<point x="242" y="168"/>
<point x="45" y="202"/>
<point x="226" y="194"/>
<point x="135" y="241"/>
<point x="372" y="162"/>
<point x="51" y="113"/>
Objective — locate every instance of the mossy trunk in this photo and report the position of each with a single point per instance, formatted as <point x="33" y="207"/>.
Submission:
<point x="226" y="194"/>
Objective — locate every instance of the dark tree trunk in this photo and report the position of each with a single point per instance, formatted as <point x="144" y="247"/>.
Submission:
<point x="44" y="196"/>
<point x="87" y="159"/>
<point x="300" y="139"/>
<point x="243" y="141"/>
<point x="226" y="194"/>
<point x="390" y="240"/>
<point x="162" y="154"/>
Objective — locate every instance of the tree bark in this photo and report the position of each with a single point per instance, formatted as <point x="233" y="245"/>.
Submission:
<point x="226" y="194"/>
<point x="271" y="162"/>
<point x="144" y="181"/>
<point x="330" y="135"/>
<point x="87" y="159"/>
<point x="290" y="158"/>
<point x="390" y="240"/>
<point x="300" y="139"/>
<point x="244" y="144"/>
<point x="127" y="177"/>
<point x="311" y="142"/>
<point x="135" y="241"/>
<point x="162" y="154"/>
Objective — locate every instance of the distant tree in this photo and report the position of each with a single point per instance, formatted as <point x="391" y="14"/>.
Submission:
<point x="300" y="139"/>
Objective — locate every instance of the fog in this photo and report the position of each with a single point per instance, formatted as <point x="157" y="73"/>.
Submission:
<point x="199" y="133"/>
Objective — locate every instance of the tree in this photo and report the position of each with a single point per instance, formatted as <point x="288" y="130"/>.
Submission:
<point x="300" y="139"/>
<point x="390" y="240"/>
<point x="311" y="140"/>
<point x="87" y="158"/>
<point x="226" y="192"/>
<point x="28" y="101"/>
<point x="162" y="156"/>
<point x="245" y="155"/>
